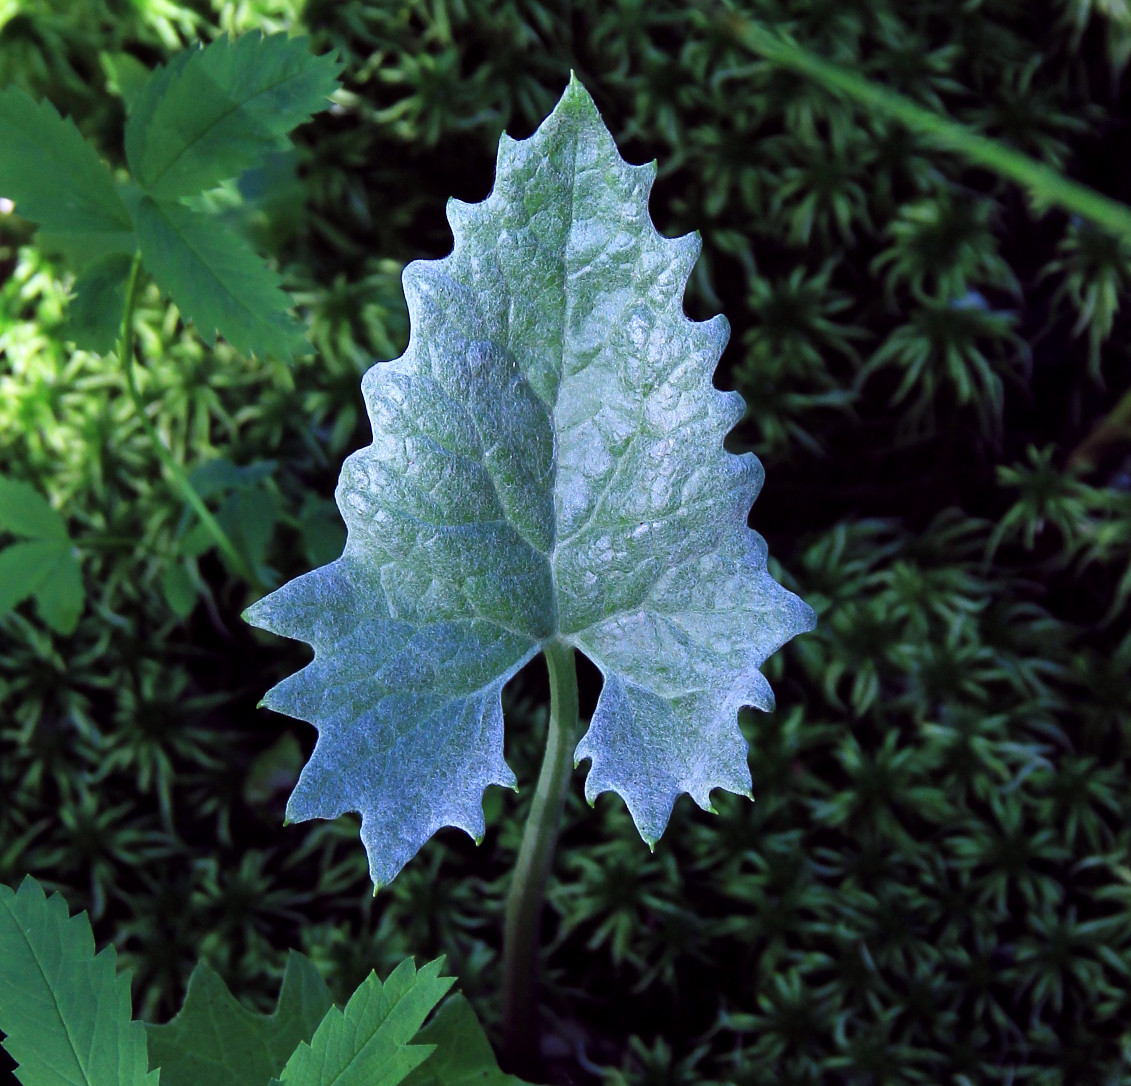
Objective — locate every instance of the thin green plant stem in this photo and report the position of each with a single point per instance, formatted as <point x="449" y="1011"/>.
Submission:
<point x="535" y="858"/>
<point x="176" y="472"/>
<point x="1045" y="185"/>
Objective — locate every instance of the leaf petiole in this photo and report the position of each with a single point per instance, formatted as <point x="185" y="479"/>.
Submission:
<point x="535" y="857"/>
<point x="176" y="472"/>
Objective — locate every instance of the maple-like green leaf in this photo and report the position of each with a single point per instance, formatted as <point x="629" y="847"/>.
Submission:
<point x="463" y="1055"/>
<point x="367" y="1044"/>
<point x="216" y="280"/>
<point x="547" y="463"/>
<point x="66" y="1011"/>
<point x="56" y="179"/>
<point x="215" y="111"/>
<point x="216" y="1040"/>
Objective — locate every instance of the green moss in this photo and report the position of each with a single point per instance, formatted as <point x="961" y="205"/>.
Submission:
<point x="932" y="884"/>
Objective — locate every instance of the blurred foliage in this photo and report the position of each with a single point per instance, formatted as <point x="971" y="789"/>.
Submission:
<point x="933" y="884"/>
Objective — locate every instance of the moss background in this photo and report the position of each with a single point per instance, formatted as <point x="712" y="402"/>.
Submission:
<point x="934" y="884"/>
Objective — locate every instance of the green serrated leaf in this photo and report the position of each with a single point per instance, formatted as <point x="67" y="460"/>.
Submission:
<point x="56" y="178"/>
<point x="463" y="1055"/>
<point x="367" y="1044"/>
<point x="66" y="1011"/>
<point x="216" y="280"/>
<point x="216" y="111"/>
<point x="216" y="1040"/>
<point x="24" y="511"/>
<point x="94" y="314"/>
<point x="547" y="466"/>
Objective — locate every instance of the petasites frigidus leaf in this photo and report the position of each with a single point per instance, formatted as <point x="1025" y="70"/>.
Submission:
<point x="547" y="462"/>
<point x="57" y="180"/>
<point x="216" y="1040"/>
<point x="66" y="1010"/>
<point x="212" y="112"/>
<point x="367" y="1043"/>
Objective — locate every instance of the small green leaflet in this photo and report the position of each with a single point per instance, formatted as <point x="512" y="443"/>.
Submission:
<point x="65" y="1010"/>
<point x="199" y="120"/>
<point x="367" y="1044"/>
<point x="216" y="279"/>
<point x="43" y="565"/>
<point x="547" y="463"/>
<point x="212" y="113"/>
<point x="57" y="180"/>
<point x="216" y="1040"/>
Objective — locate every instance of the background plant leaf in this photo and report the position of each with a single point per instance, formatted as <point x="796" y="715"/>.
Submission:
<point x="218" y="110"/>
<point x="215" y="279"/>
<point x="66" y="1011"/>
<point x="94" y="314"/>
<point x="216" y="1040"/>
<point x="547" y="462"/>
<point x="26" y="512"/>
<point x="56" y="178"/>
<point x="367" y="1044"/>
<point x="44" y="565"/>
<point x="463" y="1055"/>
<point x="126" y="76"/>
<point x="59" y="596"/>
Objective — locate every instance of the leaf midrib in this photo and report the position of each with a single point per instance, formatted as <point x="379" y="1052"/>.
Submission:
<point x="555" y="621"/>
<point x="222" y="117"/>
<point x="215" y="279"/>
<point x="85" y="1080"/>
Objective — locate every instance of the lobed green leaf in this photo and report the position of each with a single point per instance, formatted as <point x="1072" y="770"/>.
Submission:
<point x="212" y="112"/>
<point x="216" y="1040"/>
<point x="367" y="1044"/>
<point x="463" y="1055"/>
<point x="56" y="179"/>
<point x="66" y="1010"/>
<point x="215" y="279"/>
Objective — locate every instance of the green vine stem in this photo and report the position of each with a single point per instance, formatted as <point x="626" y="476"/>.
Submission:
<point x="1045" y="185"/>
<point x="176" y="472"/>
<point x="535" y="857"/>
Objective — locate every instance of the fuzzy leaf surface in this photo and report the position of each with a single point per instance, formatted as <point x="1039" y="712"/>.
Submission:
<point x="56" y="178"/>
<point x="66" y="1011"/>
<point x="367" y="1044"/>
<point x="215" y="278"/>
<point x="547" y="462"/>
<point x="212" y="112"/>
<point x="217" y="1040"/>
